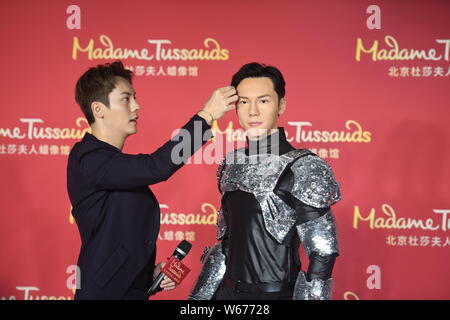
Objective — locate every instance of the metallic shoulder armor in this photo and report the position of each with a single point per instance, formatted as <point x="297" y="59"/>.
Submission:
<point x="211" y="275"/>
<point x="314" y="182"/>
<point x="258" y="174"/>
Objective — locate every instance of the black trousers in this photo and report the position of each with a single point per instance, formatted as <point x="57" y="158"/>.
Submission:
<point x="226" y="293"/>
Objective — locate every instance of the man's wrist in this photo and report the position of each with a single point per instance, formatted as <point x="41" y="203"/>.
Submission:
<point x="207" y="116"/>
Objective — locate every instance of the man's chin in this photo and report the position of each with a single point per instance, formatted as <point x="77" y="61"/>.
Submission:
<point x="132" y="132"/>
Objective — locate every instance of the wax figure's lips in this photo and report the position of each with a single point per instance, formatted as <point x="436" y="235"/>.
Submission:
<point x="255" y="123"/>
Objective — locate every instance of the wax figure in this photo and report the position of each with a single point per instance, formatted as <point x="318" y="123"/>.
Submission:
<point x="274" y="198"/>
<point x="117" y="214"/>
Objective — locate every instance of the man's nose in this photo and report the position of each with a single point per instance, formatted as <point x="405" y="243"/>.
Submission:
<point x="135" y="106"/>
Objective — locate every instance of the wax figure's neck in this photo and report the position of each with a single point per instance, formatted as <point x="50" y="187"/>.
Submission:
<point x="275" y="142"/>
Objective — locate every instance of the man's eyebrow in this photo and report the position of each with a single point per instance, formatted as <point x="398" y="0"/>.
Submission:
<point x="128" y="93"/>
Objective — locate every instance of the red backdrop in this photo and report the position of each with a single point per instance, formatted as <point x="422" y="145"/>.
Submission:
<point x="374" y="103"/>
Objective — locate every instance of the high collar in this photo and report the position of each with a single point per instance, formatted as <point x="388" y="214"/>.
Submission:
<point x="274" y="143"/>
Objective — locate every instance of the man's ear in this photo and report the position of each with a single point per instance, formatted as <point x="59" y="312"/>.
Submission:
<point x="98" y="109"/>
<point x="281" y="106"/>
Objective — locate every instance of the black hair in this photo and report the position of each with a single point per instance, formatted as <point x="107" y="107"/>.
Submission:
<point x="97" y="83"/>
<point x="259" y="70"/>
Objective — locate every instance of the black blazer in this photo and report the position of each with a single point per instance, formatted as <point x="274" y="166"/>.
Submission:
<point x="117" y="214"/>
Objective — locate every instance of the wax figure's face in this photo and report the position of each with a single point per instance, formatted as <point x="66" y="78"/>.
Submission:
<point x="121" y="116"/>
<point x="258" y="106"/>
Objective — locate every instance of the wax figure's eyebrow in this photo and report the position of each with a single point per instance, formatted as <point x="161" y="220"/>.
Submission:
<point x="263" y="96"/>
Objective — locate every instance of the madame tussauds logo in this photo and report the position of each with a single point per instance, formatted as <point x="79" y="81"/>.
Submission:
<point x="391" y="221"/>
<point x="302" y="133"/>
<point x="207" y="217"/>
<point x="35" y="130"/>
<point x="159" y="50"/>
<point x="394" y="52"/>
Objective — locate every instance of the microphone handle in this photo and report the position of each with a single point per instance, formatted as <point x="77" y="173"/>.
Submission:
<point x="155" y="286"/>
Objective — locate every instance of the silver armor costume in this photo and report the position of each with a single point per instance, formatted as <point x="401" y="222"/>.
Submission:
<point x="314" y="185"/>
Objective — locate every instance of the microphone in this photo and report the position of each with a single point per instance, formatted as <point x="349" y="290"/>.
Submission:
<point x="180" y="252"/>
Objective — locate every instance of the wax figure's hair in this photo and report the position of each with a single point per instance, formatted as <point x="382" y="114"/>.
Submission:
<point x="259" y="70"/>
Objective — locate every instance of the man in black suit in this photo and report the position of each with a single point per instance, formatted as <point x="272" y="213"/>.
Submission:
<point x="117" y="214"/>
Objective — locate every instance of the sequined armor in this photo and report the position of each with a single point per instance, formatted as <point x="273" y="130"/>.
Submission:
<point x="273" y="200"/>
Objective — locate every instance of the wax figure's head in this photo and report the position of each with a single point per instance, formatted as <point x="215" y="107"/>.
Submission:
<point x="107" y="99"/>
<point x="261" y="90"/>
